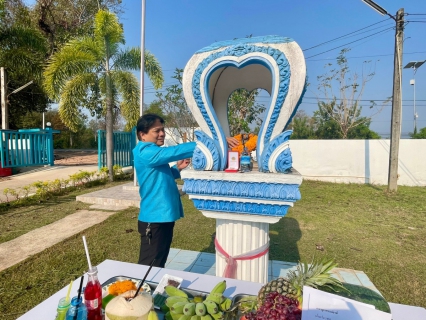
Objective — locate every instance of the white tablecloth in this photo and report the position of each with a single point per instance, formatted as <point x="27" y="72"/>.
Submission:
<point x="109" y="268"/>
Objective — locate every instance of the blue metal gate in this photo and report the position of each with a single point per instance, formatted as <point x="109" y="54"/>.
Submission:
<point x="26" y="147"/>
<point x="124" y="142"/>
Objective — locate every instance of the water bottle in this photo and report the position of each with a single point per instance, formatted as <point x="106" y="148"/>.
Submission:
<point x="77" y="311"/>
<point x="63" y="307"/>
<point x="245" y="161"/>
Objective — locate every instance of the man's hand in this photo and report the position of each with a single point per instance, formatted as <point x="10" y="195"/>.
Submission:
<point x="182" y="164"/>
<point x="232" y="142"/>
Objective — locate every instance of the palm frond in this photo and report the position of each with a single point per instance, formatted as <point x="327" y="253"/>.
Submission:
<point x="63" y="65"/>
<point x="21" y="37"/>
<point x="153" y="70"/>
<point x="128" y="87"/>
<point x="73" y="93"/>
<point x="129" y="59"/>
<point x="108" y="28"/>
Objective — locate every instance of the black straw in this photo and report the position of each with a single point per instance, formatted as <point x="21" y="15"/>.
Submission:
<point x="143" y="280"/>
<point x="78" y="297"/>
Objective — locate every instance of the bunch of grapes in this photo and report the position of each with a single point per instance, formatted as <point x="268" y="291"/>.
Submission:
<point x="276" y="307"/>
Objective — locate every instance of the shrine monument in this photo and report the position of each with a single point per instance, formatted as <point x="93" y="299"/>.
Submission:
<point x="244" y="204"/>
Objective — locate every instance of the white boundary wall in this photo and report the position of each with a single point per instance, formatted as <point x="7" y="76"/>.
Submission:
<point x="359" y="161"/>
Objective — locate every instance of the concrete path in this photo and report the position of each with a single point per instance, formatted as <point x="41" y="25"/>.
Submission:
<point x="42" y="174"/>
<point x="33" y="242"/>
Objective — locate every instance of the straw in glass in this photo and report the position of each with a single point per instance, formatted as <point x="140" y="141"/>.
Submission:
<point x="143" y="280"/>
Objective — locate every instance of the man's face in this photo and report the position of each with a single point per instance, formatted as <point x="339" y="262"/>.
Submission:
<point x="155" y="134"/>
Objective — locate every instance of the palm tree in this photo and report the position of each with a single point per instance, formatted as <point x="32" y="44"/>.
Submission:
<point x="93" y="71"/>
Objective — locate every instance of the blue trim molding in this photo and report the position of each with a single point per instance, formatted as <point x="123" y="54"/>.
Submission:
<point x="263" y="39"/>
<point x="241" y="207"/>
<point x="284" y="161"/>
<point x="247" y="190"/>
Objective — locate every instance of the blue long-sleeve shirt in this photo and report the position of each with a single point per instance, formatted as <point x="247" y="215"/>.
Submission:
<point x="160" y="198"/>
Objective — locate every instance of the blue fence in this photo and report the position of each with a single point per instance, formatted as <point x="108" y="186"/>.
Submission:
<point x="124" y="142"/>
<point x="27" y="147"/>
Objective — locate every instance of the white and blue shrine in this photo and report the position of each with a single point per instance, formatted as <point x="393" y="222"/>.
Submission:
<point x="244" y="204"/>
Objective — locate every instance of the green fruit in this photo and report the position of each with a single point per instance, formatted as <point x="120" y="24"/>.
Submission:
<point x="211" y="306"/>
<point x="218" y="315"/>
<point x="178" y="307"/>
<point x="170" y="301"/>
<point x="225" y="305"/>
<point x="168" y="316"/>
<point x="206" y="317"/>
<point x="175" y="316"/>
<point x="200" y="309"/>
<point x="175" y="292"/>
<point x="184" y="317"/>
<point x="215" y="297"/>
<point x="219" y="288"/>
<point x="195" y="318"/>
<point x="189" y="309"/>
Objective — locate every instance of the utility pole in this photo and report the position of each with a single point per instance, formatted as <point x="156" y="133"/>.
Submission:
<point x="4" y="109"/>
<point x="396" y="103"/>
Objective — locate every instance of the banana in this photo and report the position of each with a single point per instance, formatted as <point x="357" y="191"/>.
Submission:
<point x="175" y="292"/>
<point x="225" y="305"/>
<point x="211" y="306"/>
<point x="189" y="309"/>
<point x="168" y="316"/>
<point x="170" y="301"/>
<point x="184" y="317"/>
<point x="215" y="297"/>
<point x="207" y="317"/>
<point x="219" y="288"/>
<point x="175" y="316"/>
<point x="200" y="309"/>
<point x="152" y="315"/>
<point x="218" y="315"/>
<point x="195" y="318"/>
<point x="178" y="307"/>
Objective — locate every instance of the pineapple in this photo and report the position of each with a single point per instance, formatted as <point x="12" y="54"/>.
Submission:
<point x="316" y="275"/>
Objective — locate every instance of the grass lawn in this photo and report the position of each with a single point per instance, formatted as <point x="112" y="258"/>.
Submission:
<point x="361" y="226"/>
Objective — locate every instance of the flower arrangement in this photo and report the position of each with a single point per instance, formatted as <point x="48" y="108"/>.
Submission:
<point x="250" y="140"/>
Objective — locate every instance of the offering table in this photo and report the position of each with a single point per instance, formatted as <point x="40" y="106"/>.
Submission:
<point x="110" y="268"/>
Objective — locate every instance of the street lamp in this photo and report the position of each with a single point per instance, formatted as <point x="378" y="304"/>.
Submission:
<point x="396" y="93"/>
<point x="415" y="65"/>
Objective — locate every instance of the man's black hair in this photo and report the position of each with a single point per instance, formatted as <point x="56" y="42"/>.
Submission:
<point x="147" y="121"/>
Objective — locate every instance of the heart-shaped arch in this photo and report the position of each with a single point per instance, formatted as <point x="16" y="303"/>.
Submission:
<point x="273" y="63"/>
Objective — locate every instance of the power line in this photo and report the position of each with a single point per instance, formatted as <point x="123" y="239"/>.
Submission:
<point x="345" y="35"/>
<point x="343" y="45"/>
<point x="379" y="55"/>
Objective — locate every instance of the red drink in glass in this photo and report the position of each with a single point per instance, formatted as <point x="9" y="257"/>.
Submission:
<point x="93" y="296"/>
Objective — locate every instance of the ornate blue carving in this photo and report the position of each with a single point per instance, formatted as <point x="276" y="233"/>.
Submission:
<point x="199" y="158"/>
<point x="264" y="39"/>
<point x="283" y="162"/>
<point x="199" y="161"/>
<point x="247" y="190"/>
<point x="241" y="207"/>
<point x="237" y="51"/>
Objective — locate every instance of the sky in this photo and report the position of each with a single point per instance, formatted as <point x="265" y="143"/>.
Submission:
<point x="176" y="29"/>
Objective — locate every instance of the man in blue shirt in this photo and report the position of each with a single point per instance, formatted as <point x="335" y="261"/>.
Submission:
<point x="160" y="204"/>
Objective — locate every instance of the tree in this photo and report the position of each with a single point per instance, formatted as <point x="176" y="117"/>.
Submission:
<point x="243" y="111"/>
<point x="95" y="69"/>
<point x="23" y="52"/>
<point x="344" y="109"/>
<point x="63" y="20"/>
<point x="180" y="122"/>
<point x="303" y="126"/>
<point x="419" y="135"/>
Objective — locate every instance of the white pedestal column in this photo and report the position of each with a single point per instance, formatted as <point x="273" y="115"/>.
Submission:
<point x="239" y="237"/>
<point x="239" y="234"/>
